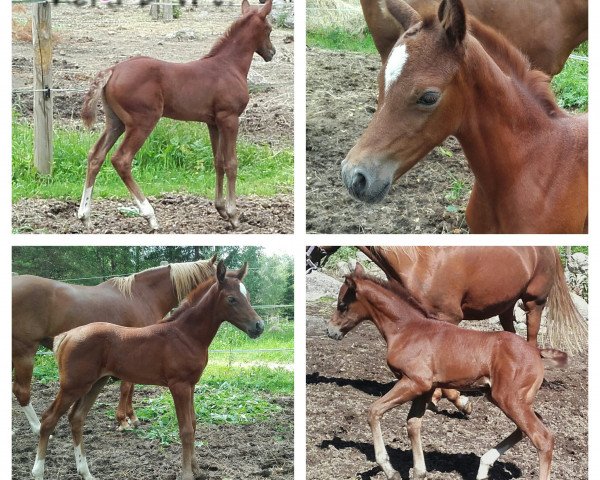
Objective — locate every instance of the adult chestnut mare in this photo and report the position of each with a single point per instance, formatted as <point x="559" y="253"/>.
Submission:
<point x="474" y="283"/>
<point x="546" y="31"/>
<point x="136" y="93"/>
<point x="172" y="353"/>
<point x="421" y="353"/>
<point x="445" y="77"/>
<point x="43" y="308"/>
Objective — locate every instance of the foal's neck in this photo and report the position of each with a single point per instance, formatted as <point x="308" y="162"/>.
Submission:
<point x="390" y="313"/>
<point x="200" y="322"/>
<point x="236" y="48"/>
<point x="501" y="116"/>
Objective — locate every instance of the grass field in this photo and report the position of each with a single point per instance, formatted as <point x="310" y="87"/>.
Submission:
<point x="177" y="157"/>
<point x="239" y="386"/>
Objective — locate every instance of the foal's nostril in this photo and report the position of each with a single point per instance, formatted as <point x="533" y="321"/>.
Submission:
<point x="260" y="326"/>
<point x="359" y="182"/>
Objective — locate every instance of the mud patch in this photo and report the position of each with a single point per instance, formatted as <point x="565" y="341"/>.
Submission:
<point x="341" y="98"/>
<point x="259" y="450"/>
<point x="176" y="213"/>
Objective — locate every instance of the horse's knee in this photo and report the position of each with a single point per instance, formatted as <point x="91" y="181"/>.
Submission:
<point x="413" y="426"/>
<point x="22" y="393"/>
<point x="121" y="165"/>
<point x="186" y="433"/>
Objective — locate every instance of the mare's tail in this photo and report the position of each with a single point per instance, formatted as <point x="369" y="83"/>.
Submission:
<point x="566" y="328"/>
<point x="554" y="358"/>
<point x="90" y="101"/>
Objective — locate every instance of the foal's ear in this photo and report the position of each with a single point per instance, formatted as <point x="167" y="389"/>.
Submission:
<point x="359" y="270"/>
<point x="242" y="271"/>
<point x="213" y="259"/>
<point x="221" y="271"/>
<point x="349" y="281"/>
<point x="266" y="8"/>
<point x="245" y="6"/>
<point x="404" y="14"/>
<point x="453" y="19"/>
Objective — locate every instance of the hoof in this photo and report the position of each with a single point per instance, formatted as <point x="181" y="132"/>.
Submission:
<point x="396" y="476"/>
<point x="235" y="223"/>
<point x="153" y="223"/>
<point x="124" y="426"/>
<point x="135" y="423"/>
<point x="417" y="474"/>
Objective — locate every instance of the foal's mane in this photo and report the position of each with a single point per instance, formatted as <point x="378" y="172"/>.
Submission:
<point x="515" y="65"/>
<point x="397" y="289"/>
<point x="191" y="300"/>
<point x="224" y="39"/>
<point x="184" y="276"/>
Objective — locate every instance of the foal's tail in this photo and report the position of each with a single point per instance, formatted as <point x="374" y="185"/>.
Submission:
<point x="553" y="357"/>
<point x="90" y="101"/>
<point x="566" y="328"/>
<point x="57" y="343"/>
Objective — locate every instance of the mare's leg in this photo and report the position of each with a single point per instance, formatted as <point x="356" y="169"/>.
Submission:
<point x="533" y="310"/>
<point x="77" y="417"/>
<point x="62" y="402"/>
<point x="228" y="130"/>
<point x="113" y="129"/>
<point x="195" y="466"/>
<point x="413" y="425"/>
<point x="404" y="391"/>
<point x="219" y="170"/>
<point x="182" y="397"/>
<point x="23" y="371"/>
<point x="135" y="136"/>
<point x="125" y="408"/>
<point x="508" y="320"/>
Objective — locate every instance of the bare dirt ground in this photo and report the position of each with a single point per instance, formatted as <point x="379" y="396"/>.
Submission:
<point x="341" y="98"/>
<point x="176" y="213"/>
<point x="87" y="40"/>
<point x="345" y="377"/>
<point x="260" y="450"/>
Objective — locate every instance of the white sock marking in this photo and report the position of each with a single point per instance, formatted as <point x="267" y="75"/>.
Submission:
<point x="86" y="203"/>
<point x="395" y="64"/>
<point x="32" y="418"/>
<point x="463" y="401"/>
<point x="38" y="468"/>
<point x="81" y="463"/>
<point x="487" y="460"/>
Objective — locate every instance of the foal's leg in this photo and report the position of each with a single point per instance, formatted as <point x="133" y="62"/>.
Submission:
<point x="50" y="418"/>
<point x="23" y="368"/>
<point x="462" y="403"/>
<point x="219" y="170"/>
<point x="413" y="425"/>
<point x="489" y="457"/>
<point x="135" y="136"/>
<point x="77" y="417"/>
<point x="228" y="130"/>
<point x="182" y="396"/>
<point x="113" y="129"/>
<point x="404" y="391"/>
<point x="195" y="466"/>
<point x="125" y="408"/>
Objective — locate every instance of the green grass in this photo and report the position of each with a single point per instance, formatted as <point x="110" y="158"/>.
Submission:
<point x="177" y="157"/>
<point x="571" y="84"/>
<point x="339" y="39"/>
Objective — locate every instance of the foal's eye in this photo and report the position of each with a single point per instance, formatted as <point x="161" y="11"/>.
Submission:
<point x="231" y="300"/>
<point x="429" y="98"/>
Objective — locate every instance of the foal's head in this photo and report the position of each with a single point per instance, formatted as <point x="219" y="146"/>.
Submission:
<point x="350" y="310"/>
<point x="419" y="102"/>
<point x="261" y="27"/>
<point x="233" y="303"/>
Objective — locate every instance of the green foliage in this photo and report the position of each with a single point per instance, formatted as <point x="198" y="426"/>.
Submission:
<point x="45" y="369"/>
<point x="340" y="39"/>
<point x="571" y="86"/>
<point x="177" y="157"/>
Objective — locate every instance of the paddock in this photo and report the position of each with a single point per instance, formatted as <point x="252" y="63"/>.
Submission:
<point x="345" y="377"/>
<point x="87" y="40"/>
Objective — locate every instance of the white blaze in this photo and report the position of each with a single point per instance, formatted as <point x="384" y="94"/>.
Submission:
<point x="243" y="290"/>
<point x="395" y="64"/>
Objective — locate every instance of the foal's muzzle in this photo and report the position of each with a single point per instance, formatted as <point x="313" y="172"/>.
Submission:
<point x="334" y="332"/>
<point x="256" y="330"/>
<point x="363" y="184"/>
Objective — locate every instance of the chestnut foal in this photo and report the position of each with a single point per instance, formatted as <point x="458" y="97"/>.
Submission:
<point x="422" y="355"/>
<point x="446" y="76"/>
<point x="172" y="353"/>
<point x="136" y="93"/>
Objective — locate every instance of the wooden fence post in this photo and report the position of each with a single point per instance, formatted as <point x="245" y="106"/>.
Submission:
<point x="167" y="10"/>
<point x="42" y="84"/>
